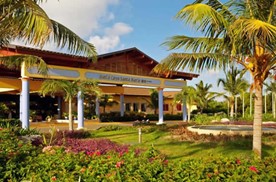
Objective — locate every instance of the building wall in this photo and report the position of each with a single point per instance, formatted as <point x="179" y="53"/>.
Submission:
<point x="169" y="107"/>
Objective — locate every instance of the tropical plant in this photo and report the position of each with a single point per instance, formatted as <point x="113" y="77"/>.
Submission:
<point x="153" y="101"/>
<point x="107" y="100"/>
<point x="272" y="88"/>
<point x="204" y="95"/>
<point x="70" y="89"/>
<point x="26" y="21"/>
<point x="233" y="84"/>
<point x="236" y="31"/>
<point x="188" y="93"/>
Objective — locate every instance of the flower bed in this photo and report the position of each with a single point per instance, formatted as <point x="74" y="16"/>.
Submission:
<point x="103" y="160"/>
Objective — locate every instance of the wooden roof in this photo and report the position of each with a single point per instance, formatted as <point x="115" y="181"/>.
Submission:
<point x="63" y="59"/>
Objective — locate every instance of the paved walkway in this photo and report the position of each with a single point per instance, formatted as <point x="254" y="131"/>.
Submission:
<point x="88" y="124"/>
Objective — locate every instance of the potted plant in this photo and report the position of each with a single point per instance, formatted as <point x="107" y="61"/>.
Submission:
<point x="65" y="115"/>
<point x="48" y="118"/>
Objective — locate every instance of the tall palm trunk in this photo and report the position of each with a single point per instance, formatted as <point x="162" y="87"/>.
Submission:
<point x="257" y="125"/>
<point x="273" y="104"/>
<point x="232" y="103"/>
<point x="243" y="104"/>
<point x="189" y="108"/>
<point x="70" y="115"/>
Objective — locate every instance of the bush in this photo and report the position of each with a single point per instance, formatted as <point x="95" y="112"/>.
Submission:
<point x="9" y="123"/>
<point x="14" y="154"/>
<point x="103" y="160"/>
<point x="268" y="117"/>
<point x="205" y="119"/>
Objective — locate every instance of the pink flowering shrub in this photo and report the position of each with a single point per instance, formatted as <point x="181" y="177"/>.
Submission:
<point x="93" y="146"/>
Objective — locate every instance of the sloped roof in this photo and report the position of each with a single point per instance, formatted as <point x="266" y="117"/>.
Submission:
<point x="57" y="58"/>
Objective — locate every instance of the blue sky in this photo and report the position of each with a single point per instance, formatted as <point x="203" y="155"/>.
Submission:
<point x="113" y="25"/>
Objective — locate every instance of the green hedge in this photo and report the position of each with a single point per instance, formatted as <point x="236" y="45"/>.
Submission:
<point x="7" y="123"/>
<point x="133" y="116"/>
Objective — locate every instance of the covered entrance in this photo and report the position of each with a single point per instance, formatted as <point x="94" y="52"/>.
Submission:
<point x="120" y="69"/>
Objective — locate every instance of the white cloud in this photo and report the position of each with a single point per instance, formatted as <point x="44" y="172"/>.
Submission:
<point x="89" y="20"/>
<point x="82" y="16"/>
<point x="213" y="72"/>
<point x="111" y="37"/>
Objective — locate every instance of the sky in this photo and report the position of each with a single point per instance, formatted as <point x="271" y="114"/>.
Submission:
<point x="113" y="25"/>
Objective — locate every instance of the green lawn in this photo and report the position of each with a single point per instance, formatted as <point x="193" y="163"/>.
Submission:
<point x="162" y="139"/>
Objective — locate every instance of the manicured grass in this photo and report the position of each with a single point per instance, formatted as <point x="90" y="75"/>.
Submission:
<point x="161" y="138"/>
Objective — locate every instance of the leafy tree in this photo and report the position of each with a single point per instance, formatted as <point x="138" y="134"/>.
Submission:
<point x="233" y="84"/>
<point x="189" y="94"/>
<point x="70" y="90"/>
<point x="236" y="31"/>
<point x="107" y="100"/>
<point x="25" y="20"/>
<point x="272" y="88"/>
<point x="204" y="95"/>
<point x="153" y="103"/>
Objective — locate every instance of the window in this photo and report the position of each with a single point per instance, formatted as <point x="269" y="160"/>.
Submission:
<point x="143" y="107"/>
<point x="166" y="107"/>
<point x="179" y="107"/>
<point x="135" y="107"/>
<point x="127" y="106"/>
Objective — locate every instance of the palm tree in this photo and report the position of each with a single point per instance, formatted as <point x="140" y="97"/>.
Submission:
<point x="107" y="100"/>
<point x="189" y="94"/>
<point x="70" y="89"/>
<point x="153" y="102"/>
<point x="234" y="84"/>
<point x="272" y="88"/>
<point x="25" y="20"/>
<point x="204" y="95"/>
<point x="236" y="31"/>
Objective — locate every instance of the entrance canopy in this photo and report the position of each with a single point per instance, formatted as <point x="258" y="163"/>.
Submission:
<point x="67" y="73"/>
<point x="126" y="67"/>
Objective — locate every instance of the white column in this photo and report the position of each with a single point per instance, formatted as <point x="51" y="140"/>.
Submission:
<point x="122" y="107"/>
<point x="25" y="99"/>
<point x="184" y="107"/>
<point x="59" y="106"/>
<point x="160" y="106"/>
<point x="20" y="107"/>
<point x="80" y="111"/>
<point x="97" y="108"/>
<point x="184" y="110"/>
<point x="236" y="106"/>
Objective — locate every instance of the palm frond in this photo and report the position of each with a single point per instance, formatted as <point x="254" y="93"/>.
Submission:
<point x="90" y="87"/>
<point x="204" y="18"/>
<point x="254" y="30"/>
<point x="195" y="44"/>
<point x="15" y="62"/>
<point x="192" y="61"/>
<point x="27" y="21"/>
<point x="64" y="37"/>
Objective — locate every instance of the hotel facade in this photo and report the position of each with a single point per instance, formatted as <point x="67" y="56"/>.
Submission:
<point x="126" y="75"/>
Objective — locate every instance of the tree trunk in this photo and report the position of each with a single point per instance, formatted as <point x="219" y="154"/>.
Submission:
<point x="70" y="115"/>
<point x="236" y="106"/>
<point x="265" y="107"/>
<point x="243" y="104"/>
<point x="273" y="104"/>
<point x="257" y="125"/>
<point x="231" y="109"/>
<point x="189" y="113"/>
<point x="250" y="103"/>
